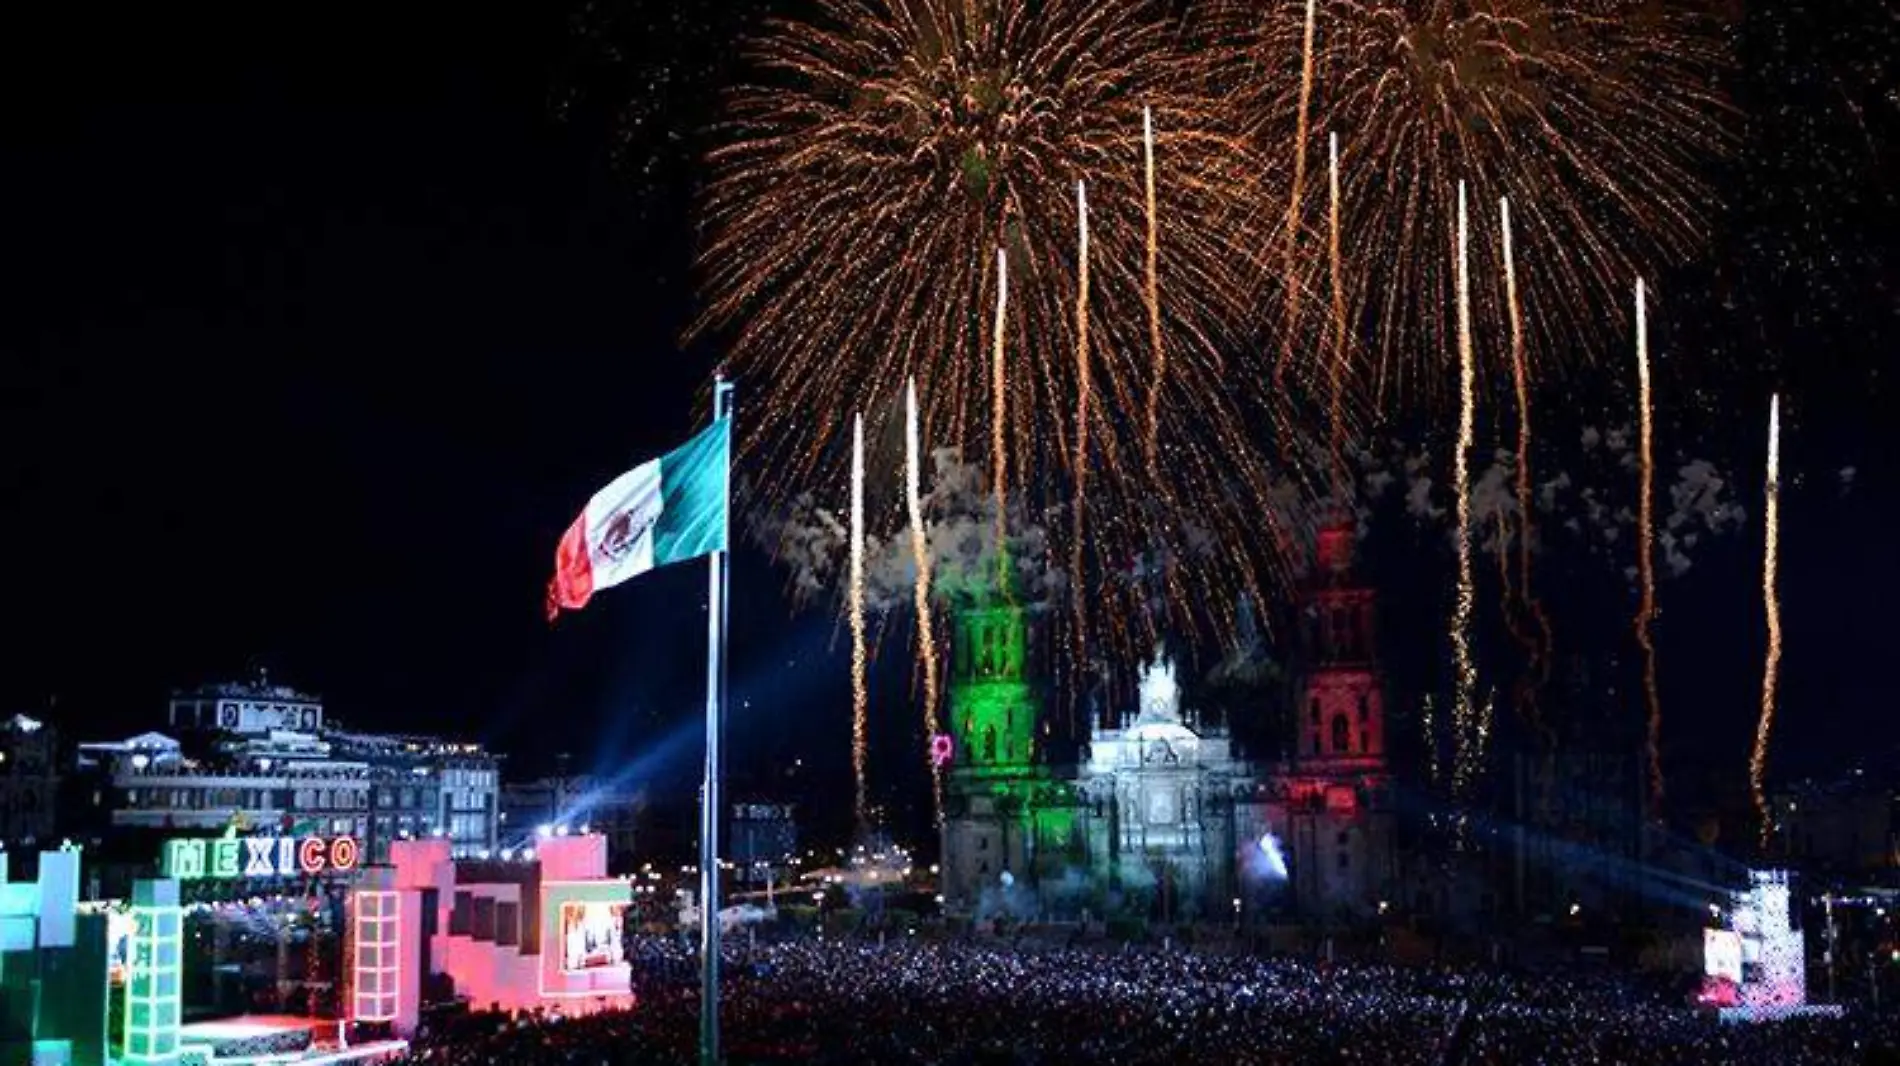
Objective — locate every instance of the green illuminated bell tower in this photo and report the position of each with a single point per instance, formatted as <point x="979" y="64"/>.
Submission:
<point x="996" y="779"/>
<point x="992" y="704"/>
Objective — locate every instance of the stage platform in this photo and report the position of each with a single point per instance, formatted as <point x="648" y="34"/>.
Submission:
<point x="268" y="1040"/>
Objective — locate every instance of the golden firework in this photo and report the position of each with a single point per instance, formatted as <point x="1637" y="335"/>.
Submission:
<point x="1594" y="117"/>
<point x="865" y="180"/>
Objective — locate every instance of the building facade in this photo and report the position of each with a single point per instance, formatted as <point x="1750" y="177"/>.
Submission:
<point x="1331" y="802"/>
<point x="584" y="803"/>
<point x="234" y="764"/>
<point x="29" y="781"/>
<point x="762" y="843"/>
<point x="1164" y="808"/>
<point x="1160" y="817"/>
<point x="997" y="798"/>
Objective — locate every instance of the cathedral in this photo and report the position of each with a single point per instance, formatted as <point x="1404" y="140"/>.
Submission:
<point x="1160" y="818"/>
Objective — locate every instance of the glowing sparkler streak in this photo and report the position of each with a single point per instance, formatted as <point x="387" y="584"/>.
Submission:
<point x="1771" y="601"/>
<point x="920" y="552"/>
<point x="1538" y="643"/>
<point x="1302" y="132"/>
<point x="1154" y="301"/>
<point x="1339" y="319"/>
<point x="1646" y="550"/>
<point x="1470" y="732"/>
<point x="999" y="402"/>
<point x="860" y="697"/>
<point x="1081" y="418"/>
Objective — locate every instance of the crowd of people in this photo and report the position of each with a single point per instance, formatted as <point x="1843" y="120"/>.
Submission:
<point x="972" y="1003"/>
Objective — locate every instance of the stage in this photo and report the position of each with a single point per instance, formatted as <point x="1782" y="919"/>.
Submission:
<point x="259" y="1039"/>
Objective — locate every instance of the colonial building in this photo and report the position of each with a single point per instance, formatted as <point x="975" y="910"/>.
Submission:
<point x="1166" y="811"/>
<point x="531" y="810"/>
<point x="29" y="780"/>
<point x="261" y="756"/>
<point x="996" y="792"/>
<point x="1332" y="801"/>
<point x="1160" y="817"/>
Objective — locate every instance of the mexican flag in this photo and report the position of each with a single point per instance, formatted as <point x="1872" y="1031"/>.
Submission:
<point x="665" y="511"/>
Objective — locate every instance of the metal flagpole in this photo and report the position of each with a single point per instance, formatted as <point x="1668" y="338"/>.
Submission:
<point x="709" y="792"/>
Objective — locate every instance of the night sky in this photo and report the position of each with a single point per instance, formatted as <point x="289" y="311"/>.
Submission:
<point x="320" y="324"/>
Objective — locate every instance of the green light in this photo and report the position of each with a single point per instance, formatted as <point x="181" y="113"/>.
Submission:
<point x="992" y="705"/>
<point x="183" y="860"/>
<point x="152" y="992"/>
<point x="224" y="857"/>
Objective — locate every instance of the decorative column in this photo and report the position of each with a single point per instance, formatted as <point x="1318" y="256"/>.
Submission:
<point x="154" y="974"/>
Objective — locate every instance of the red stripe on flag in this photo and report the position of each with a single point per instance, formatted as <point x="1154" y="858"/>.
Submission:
<point x="573" y="581"/>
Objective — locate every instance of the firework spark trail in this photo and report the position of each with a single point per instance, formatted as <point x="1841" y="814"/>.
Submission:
<point x="1470" y="731"/>
<point x="1771" y="602"/>
<point x="1159" y="352"/>
<point x="1294" y="202"/>
<point x="1646" y="550"/>
<point x="1336" y="386"/>
<point x="999" y="410"/>
<point x="860" y="695"/>
<point x="920" y="553"/>
<point x="1537" y="643"/>
<point x="1081" y="418"/>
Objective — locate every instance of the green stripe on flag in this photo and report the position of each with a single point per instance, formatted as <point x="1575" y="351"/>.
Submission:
<point x="693" y="494"/>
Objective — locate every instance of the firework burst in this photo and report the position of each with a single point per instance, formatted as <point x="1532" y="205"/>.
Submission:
<point x="1594" y="117"/>
<point x="884" y="151"/>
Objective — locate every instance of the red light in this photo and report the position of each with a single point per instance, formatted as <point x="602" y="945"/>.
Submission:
<point x="310" y="855"/>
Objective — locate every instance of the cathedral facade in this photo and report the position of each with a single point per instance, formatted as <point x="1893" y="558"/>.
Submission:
<point x="1161" y="818"/>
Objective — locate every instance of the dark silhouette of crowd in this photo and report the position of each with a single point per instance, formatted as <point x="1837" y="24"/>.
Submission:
<point x="909" y="1003"/>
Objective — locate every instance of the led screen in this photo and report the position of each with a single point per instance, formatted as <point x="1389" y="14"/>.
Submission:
<point x="1722" y="954"/>
<point x="590" y="935"/>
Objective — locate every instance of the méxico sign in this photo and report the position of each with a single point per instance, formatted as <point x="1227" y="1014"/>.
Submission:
<point x="228" y="858"/>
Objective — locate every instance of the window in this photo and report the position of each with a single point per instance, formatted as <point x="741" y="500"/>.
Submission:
<point x="1345" y="837"/>
<point x="1345" y="861"/>
<point x="1365" y="708"/>
<point x="1315" y="707"/>
<point x="1342" y="734"/>
<point x="1316" y="745"/>
<point x="989" y="743"/>
<point x="982" y="843"/>
<point x="1365" y="741"/>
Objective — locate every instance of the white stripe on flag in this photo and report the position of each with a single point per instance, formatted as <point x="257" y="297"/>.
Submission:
<point x="619" y="524"/>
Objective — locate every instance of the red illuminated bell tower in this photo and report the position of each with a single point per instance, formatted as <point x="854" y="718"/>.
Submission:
<point x="1341" y="710"/>
<point x="1338" y="788"/>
